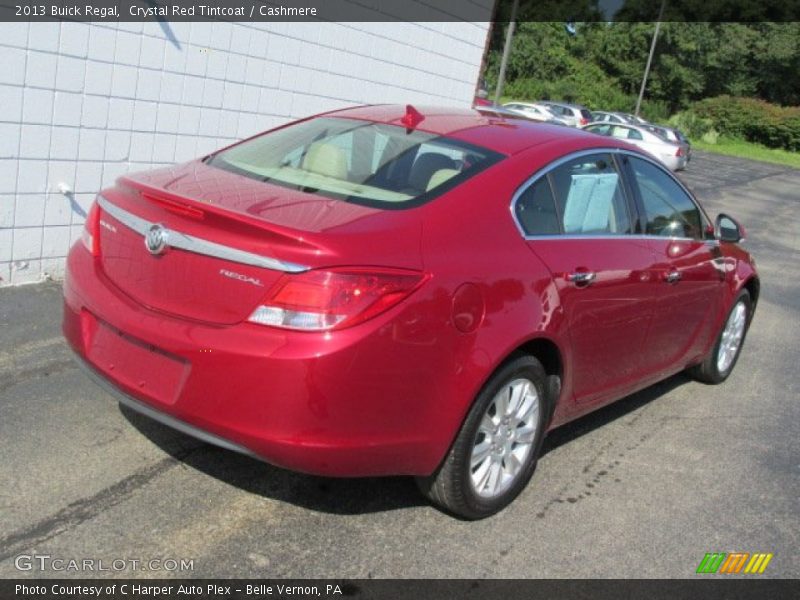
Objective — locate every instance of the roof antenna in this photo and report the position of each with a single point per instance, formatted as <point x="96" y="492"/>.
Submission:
<point x="412" y="118"/>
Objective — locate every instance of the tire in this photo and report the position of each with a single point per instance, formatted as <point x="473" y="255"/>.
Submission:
<point x="491" y="459"/>
<point x="716" y="368"/>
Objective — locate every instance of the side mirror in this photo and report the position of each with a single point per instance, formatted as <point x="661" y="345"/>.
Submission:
<point x="727" y="229"/>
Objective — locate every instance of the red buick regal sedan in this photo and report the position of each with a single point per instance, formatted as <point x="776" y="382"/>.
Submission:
<point x="396" y="291"/>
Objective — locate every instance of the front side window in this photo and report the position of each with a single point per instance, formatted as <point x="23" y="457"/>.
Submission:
<point x="357" y="161"/>
<point x="668" y="209"/>
<point x="584" y="196"/>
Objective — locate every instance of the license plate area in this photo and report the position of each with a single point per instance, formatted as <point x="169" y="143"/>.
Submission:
<point x="138" y="366"/>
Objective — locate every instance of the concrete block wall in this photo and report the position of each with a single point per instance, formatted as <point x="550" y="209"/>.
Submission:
<point x="82" y="103"/>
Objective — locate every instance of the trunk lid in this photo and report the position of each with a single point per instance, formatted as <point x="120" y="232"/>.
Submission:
<point x="230" y="238"/>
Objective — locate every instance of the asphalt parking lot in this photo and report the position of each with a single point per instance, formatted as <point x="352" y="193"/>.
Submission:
<point x="643" y="488"/>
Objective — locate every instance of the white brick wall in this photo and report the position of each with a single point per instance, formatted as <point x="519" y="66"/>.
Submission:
<point x="82" y="103"/>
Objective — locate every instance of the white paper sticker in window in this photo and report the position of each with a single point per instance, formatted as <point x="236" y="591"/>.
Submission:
<point x="590" y="202"/>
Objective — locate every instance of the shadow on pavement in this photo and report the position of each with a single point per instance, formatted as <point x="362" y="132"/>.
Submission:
<point x="350" y="496"/>
<point x="586" y="424"/>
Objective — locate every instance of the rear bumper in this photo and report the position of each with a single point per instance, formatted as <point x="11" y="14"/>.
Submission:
<point x="675" y="163"/>
<point x="359" y="403"/>
<point x="156" y="415"/>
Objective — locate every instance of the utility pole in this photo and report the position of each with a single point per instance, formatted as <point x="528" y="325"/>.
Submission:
<point x="649" y="59"/>
<point x="506" y="50"/>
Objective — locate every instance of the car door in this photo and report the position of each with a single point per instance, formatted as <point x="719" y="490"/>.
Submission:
<point x="577" y="218"/>
<point x="688" y="267"/>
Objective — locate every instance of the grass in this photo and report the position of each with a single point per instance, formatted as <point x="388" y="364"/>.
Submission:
<point x="743" y="149"/>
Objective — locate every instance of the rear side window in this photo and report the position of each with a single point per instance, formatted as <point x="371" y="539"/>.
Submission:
<point x="589" y="196"/>
<point x="620" y="132"/>
<point x="357" y="161"/>
<point x="536" y="210"/>
<point x="584" y="196"/>
<point x="600" y="129"/>
<point x="669" y="211"/>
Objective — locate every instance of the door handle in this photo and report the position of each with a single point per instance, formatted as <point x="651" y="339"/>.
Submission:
<point x="673" y="276"/>
<point x="581" y="277"/>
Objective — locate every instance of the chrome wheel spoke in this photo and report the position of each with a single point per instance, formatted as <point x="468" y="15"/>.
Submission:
<point x="525" y="435"/>
<point x="493" y="482"/>
<point x="517" y="395"/>
<point x="480" y="453"/>
<point x="501" y="403"/>
<point x="487" y="426"/>
<point x="512" y="464"/>
<point x="481" y="476"/>
<point x="529" y="405"/>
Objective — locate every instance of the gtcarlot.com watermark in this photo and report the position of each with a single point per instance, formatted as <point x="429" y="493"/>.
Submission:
<point x="46" y="562"/>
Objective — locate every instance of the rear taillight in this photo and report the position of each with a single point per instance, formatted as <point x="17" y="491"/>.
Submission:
<point x="90" y="236"/>
<point x="584" y="121"/>
<point x="679" y="152"/>
<point x="334" y="299"/>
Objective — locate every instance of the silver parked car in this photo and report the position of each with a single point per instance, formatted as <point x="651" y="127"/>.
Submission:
<point x="574" y="115"/>
<point x="674" y="156"/>
<point x="673" y="135"/>
<point x="534" y="112"/>
<point x="633" y="119"/>
<point x="496" y="110"/>
<point x="602" y="116"/>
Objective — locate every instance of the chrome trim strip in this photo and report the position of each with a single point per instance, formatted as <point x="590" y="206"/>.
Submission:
<point x="611" y="236"/>
<point x="196" y="245"/>
<point x="564" y="159"/>
<point x="157" y="415"/>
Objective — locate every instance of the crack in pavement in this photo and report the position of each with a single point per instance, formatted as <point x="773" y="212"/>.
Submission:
<point x="82" y="510"/>
<point x="51" y="368"/>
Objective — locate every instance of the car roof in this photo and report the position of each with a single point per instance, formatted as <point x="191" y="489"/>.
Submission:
<point x="626" y="125"/>
<point x="567" y="104"/>
<point x="644" y="129"/>
<point x="492" y="131"/>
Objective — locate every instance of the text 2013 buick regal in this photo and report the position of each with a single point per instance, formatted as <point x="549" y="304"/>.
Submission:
<point x="392" y="291"/>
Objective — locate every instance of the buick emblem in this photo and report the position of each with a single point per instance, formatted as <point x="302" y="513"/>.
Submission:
<point x="156" y="239"/>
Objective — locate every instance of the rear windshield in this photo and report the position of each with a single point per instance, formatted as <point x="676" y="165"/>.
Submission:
<point x="357" y="161"/>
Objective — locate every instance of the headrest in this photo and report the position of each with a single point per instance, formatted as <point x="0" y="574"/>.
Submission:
<point x="326" y="159"/>
<point x="439" y="177"/>
<point x="425" y="166"/>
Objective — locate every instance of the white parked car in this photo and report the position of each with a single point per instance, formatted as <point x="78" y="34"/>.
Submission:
<point x="575" y="115"/>
<point x="601" y="116"/>
<point x="535" y="112"/>
<point x="672" y="155"/>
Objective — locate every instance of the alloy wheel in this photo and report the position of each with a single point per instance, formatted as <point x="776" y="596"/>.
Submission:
<point x="732" y="337"/>
<point x="504" y="441"/>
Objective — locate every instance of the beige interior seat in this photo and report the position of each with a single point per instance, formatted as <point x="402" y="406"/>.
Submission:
<point x="439" y="177"/>
<point x="326" y="159"/>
